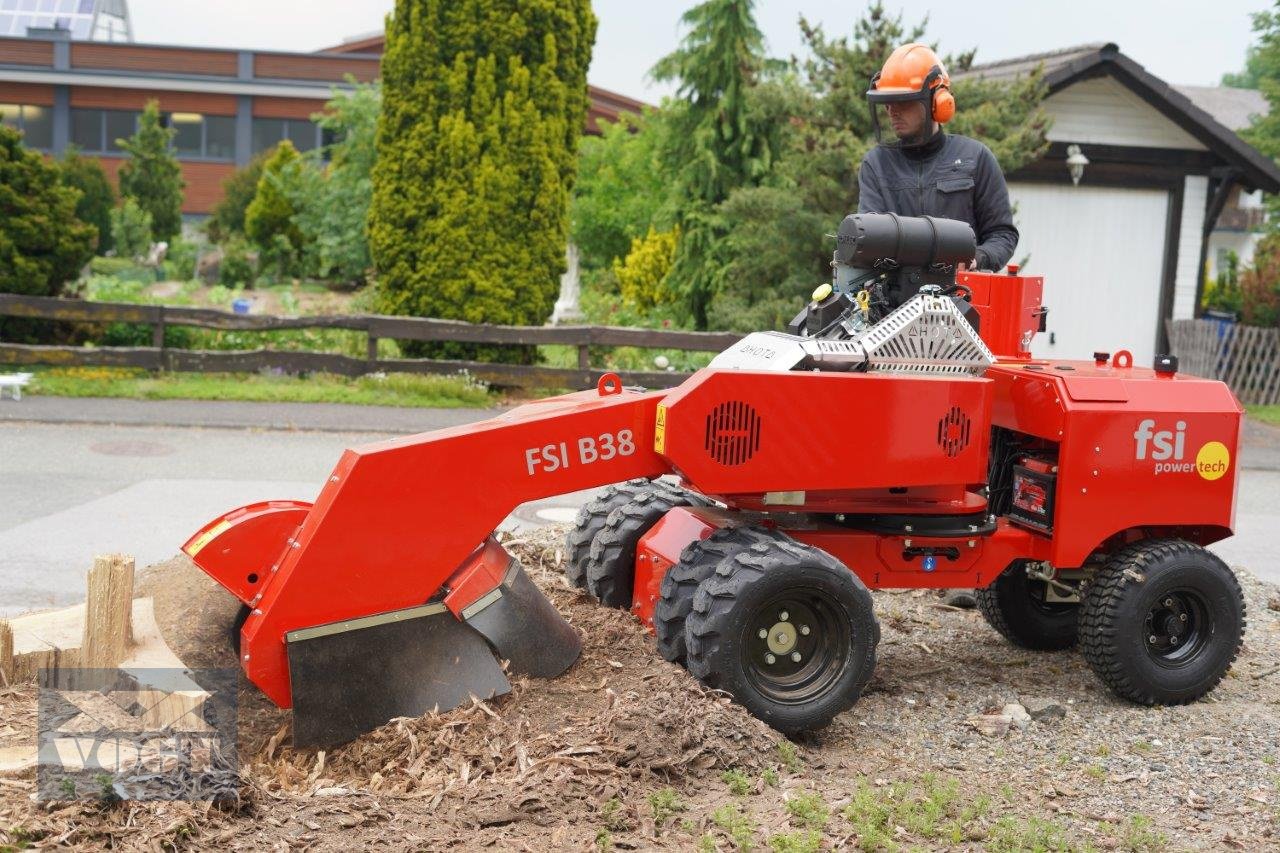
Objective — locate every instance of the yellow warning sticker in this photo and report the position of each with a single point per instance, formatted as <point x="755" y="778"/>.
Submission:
<point x="208" y="536"/>
<point x="660" y="431"/>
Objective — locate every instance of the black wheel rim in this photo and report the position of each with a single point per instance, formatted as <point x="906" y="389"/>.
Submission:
<point x="796" y="645"/>
<point x="1177" y="627"/>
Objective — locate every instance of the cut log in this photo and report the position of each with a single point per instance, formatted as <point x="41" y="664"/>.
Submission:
<point x="6" y="653"/>
<point x="108" y="630"/>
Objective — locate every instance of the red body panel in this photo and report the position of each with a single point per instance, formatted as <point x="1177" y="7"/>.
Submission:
<point x="1109" y="479"/>
<point x="247" y="544"/>
<point x="1008" y="309"/>
<point x="745" y="433"/>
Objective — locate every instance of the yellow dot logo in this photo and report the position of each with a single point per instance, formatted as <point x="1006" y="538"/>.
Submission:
<point x="1213" y="460"/>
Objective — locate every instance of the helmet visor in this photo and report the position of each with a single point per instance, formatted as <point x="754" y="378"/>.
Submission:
<point x="901" y="120"/>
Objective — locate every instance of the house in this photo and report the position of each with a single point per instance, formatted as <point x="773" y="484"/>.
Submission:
<point x="1239" y="226"/>
<point x="1125" y="247"/>
<point x="78" y="79"/>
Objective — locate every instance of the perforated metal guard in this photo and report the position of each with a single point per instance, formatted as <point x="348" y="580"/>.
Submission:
<point x="927" y="334"/>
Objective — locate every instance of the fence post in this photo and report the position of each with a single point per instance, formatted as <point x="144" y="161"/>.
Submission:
<point x="584" y="357"/>
<point x="371" y="351"/>
<point x="157" y="332"/>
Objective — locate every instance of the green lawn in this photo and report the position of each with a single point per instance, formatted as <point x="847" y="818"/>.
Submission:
<point x="396" y="389"/>
<point x="1266" y="414"/>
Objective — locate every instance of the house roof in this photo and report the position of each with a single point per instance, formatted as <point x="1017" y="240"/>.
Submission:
<point x="1198" y="115"/>
<point x="1233" y="108"/>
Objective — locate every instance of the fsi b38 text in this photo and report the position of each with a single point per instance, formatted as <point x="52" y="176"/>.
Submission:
<point x="583" y="451"/>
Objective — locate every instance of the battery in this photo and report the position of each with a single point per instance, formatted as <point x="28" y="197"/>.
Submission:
<point x="1034" y="486"/>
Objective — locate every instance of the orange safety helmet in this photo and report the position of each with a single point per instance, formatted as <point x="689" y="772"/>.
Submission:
<point x="913" y="72"/>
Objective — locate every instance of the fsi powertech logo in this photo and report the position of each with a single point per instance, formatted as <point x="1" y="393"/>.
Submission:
<point x="1168" y="451"/>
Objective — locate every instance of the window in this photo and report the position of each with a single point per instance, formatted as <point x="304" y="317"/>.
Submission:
<point x="268" y="132"/>
<point x="188" y="132"/>
<point x="196" y="136"/>
<point x="35" y="123"/>
<point x="220" y="137"/>
<point x="120" y="125"/>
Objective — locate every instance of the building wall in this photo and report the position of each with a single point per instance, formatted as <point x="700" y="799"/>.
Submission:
<point x="1101" y="111"/>
<point x="1195" y="191"/>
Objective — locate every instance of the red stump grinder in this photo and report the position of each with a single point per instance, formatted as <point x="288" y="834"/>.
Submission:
<point x="899" y="434"/>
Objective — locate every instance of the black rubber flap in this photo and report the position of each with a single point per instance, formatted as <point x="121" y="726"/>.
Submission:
<point x="350" y="678"/>
<point x="525" y="628"/>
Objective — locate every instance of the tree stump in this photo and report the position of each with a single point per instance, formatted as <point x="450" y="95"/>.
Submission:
<point x="108" y="623"/>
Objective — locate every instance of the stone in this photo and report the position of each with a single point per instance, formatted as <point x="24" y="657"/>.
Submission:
<point x="991" y="725"/>
<point x="1017" y="715"/>
<point x="1044" y="709"/>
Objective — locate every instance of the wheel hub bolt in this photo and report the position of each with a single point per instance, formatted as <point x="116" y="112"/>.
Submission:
<point x="1154" y="639"/>
<point x="782" y="638"/>
<point x="764" y="634"/>
<point x="804" y="629"/>
<point x="795" y="656"/>
<point x="1182" y="617"/>
<point x="770" y="659"/>
<point x="783" y="616"/>
<point x="1173" y="639"/>
<point x="1168" y="602"/>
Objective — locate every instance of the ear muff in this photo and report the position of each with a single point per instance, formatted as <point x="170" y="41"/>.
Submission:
<point x="944" y="105"/>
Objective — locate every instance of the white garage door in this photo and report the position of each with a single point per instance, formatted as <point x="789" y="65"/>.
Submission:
<point x="1101" y="252"/>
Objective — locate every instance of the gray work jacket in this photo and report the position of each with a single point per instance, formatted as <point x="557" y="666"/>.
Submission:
<point x="961" y="180"/>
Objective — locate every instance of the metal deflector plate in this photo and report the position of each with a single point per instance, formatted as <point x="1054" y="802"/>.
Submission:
<point x="525" y="628"/>
<point x="350" y="678"/>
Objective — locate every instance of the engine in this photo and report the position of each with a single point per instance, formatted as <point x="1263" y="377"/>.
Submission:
<point x="893" y="305"/>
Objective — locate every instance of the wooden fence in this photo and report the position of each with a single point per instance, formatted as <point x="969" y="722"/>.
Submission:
<point x="1247" y="358"/>
<point x="159" y="357"/>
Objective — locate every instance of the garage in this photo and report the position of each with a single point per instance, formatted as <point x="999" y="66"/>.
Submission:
<point x="1089" y="283"/>
<point x="1115" y="216"/>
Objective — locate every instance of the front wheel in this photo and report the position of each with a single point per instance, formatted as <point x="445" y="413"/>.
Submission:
<point x="787" y="630"/>
<point x="1162" y="622"/>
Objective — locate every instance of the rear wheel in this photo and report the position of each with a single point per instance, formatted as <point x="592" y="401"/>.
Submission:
<point x="698" y="562"/>
<point x="1162" y="622"/>
<point x="787" y="630"/>
<point x="611" y="564"/>
<point x="590" y="521"/>
<point x="1016" y="606"/>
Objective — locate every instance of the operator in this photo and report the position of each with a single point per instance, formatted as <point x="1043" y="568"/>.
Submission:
<point x="924" y="171"/>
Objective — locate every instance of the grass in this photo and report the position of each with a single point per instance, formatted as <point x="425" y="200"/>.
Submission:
<point x="1266" y="414"/>
<point x="739" y="826"/>
<point x="665" y="803"/>
<point x="739" y="784"/>
<point x="397" y="389"/>
<point x="808" y="811"/>
<point x="931" y="810"/>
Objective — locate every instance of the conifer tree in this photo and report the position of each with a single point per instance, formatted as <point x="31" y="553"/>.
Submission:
<point x="151" y="176"/>
<point x="483" y="104"/>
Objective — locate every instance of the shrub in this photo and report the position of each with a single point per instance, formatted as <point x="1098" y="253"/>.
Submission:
<point x="238" y="191"/>
<point x="268" y="221"/>
<point x="124" y="269"/>
<point x="1260" y="284"/>
<point x="238" y="267"/>
<point x="131" y="229"/>
<point x="96" y="195"/>
<point x="151" y="176"/>
<point x="180" y="261"/>
<point x="476" y="149"/>
<point x="642" y="277"/>
<point x="42" y="243"/>
<point x="1223" y="293"/>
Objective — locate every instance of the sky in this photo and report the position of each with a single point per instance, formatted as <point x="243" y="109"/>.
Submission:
<point x="1178" y="41"/>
